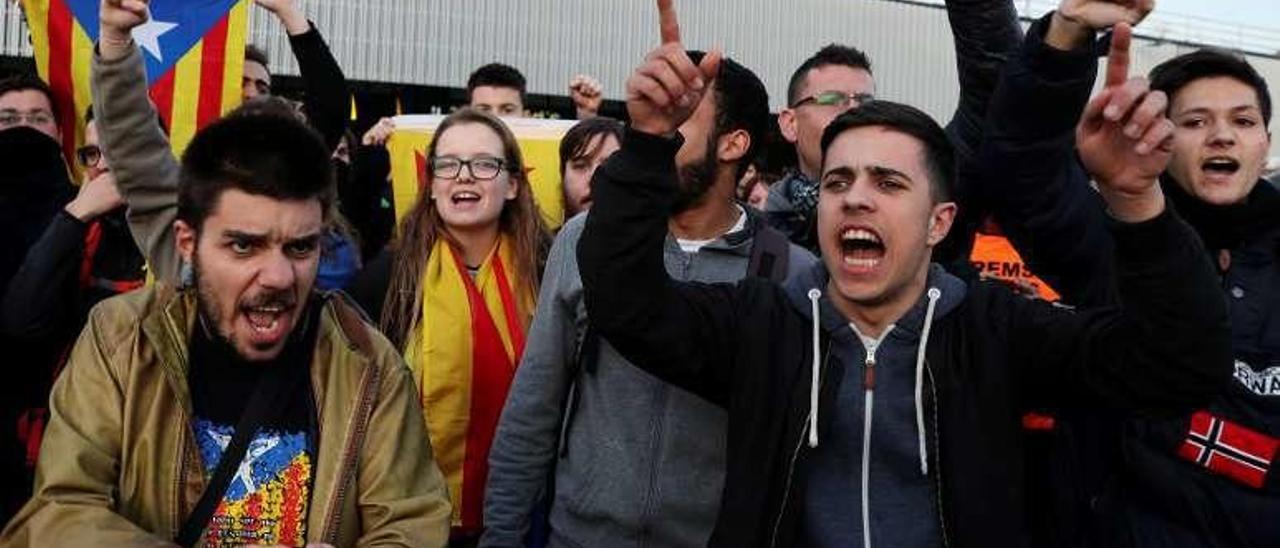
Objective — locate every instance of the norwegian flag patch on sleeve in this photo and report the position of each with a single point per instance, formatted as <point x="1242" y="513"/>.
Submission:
<point x="1229" y="449"/>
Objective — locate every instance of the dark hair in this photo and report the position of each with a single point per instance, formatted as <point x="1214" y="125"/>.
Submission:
<point x="741" y="103"/>
<point x="831" y="54"/>
<point x="496" y="75"/>
<point x="255" y="54"/>
<point x="88" y="114"/>
<point x="575" y="141"/>
<point x="259" y="152"/>
<point x="939" y="157"/>
<point x="28" y="82"/>
<point x="271" y="105"/>
<point x="1174" y="74"/>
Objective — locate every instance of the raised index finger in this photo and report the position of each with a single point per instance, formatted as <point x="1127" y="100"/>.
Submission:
<point x="667" y="22"/>
<point x="1118" y="57"/>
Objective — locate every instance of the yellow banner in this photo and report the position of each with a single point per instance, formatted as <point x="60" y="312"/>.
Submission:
<point x="539" y="144"/>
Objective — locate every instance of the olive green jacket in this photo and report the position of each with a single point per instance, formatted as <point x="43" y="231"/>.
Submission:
<point x="120" y="467"/>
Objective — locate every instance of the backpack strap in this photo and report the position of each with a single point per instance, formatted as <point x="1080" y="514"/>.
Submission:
<point x="270" y="388"/>
<point x="770" y="254"/>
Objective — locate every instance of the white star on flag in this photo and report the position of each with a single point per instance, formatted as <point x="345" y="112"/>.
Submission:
<point x="148" y="35"/>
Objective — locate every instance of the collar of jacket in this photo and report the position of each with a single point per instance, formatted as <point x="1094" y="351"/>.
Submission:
<point x="1228" y="227"/>
<point x="735" y="243"/>
<point x="953" y="292"/>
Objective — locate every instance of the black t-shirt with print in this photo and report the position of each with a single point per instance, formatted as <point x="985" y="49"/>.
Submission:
<point x="269" y="495"/>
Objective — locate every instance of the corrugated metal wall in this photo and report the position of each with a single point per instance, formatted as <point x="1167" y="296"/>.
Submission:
<point x="439" y="42"/>
<point x="13" y="34"/>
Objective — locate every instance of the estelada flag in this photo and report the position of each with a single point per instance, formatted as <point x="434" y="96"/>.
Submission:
<point x="539" y="145"/>
<point x="193" y="49"/>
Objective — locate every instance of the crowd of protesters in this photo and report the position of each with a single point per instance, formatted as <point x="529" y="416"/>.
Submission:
<point x="246" y="346"/>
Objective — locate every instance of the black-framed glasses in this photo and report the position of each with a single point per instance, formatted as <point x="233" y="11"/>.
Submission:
<point x="835" y="98"/>
<point x="482" y="168"/>
<point x="89" y="155"/>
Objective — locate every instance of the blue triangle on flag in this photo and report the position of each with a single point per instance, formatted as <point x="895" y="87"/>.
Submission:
<point x="180" y="24"/>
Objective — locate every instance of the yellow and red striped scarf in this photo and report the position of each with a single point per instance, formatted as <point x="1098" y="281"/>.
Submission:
<point x="464" y="354"/>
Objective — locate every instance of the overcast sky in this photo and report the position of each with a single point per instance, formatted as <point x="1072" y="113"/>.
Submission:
<point x="1251" y="12"/>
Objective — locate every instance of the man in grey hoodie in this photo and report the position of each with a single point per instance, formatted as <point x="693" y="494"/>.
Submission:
<point x="623" y="458"/>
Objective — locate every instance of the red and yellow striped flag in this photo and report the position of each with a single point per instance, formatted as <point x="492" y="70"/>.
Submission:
<point x="464" y="354"/>
<point x="194" y="52"/>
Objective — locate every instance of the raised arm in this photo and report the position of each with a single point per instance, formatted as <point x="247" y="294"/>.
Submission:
<point x="328" y="98"/>
<point x="43" y="294"/>
<point x="1166" y="346"/>
<point x="676" y="331"/>
<point x="1032" y="179"/>
<point x="128" y="126"/>
<point x="986" y="33"/>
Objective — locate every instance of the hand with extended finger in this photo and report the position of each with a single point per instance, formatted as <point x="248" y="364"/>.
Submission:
<point x="587" y="94"/>
<point x="1075" y="21"/>
<point x="116" y="21"/>
<point x="1124" y="138"/>
<point x="664" y="91"/>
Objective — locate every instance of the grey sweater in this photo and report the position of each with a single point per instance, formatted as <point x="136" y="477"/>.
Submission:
<point x="145" y="168"/>
<point x="644" y="461"/>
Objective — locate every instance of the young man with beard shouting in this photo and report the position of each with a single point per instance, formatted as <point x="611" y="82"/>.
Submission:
<point x="243" y="407"/>
<point x="578" y="412"/>
<point x="883" y="407"/>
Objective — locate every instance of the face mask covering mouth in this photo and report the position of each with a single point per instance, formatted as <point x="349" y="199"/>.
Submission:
<point x="33" y="168"/>
<point x="34" y="186"/>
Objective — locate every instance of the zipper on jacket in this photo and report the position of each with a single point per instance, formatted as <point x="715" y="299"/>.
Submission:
<point x="355" y="439"/>
<point x="869" y="398"/>
<point x="795" y="455"/>
<point x="187" y="438"/>
<point x="937" y="456"/>
<point x="655" y="449"/>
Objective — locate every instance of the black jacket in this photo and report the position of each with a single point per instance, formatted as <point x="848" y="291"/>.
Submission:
<point x="34" y="187"/>
<point x="52" y="292"/>
<point x="46" y="304"/>
<point x="747" y="347"/>
<point x="328" y="100"/>
<point x="365" y="197"/>
<point x="1150" y="495"/>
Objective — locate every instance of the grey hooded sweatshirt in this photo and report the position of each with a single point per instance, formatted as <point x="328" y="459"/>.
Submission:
<point x="637" y="462"/>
